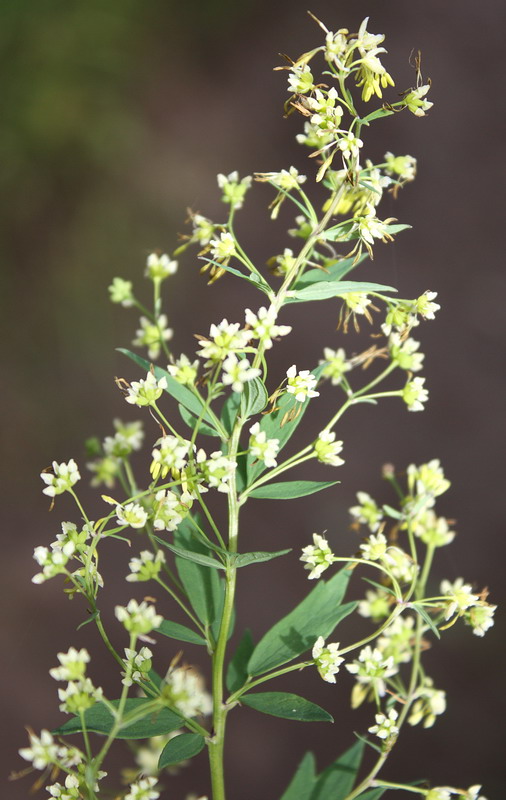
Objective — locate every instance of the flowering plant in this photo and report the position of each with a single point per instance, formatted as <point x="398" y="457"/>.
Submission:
<point x="226" y="394"/>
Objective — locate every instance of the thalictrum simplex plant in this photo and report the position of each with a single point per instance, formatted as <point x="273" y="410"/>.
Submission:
<point x="216" y="424"/>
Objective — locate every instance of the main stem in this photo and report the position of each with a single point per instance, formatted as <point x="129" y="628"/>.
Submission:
<point x="216" y="743"/>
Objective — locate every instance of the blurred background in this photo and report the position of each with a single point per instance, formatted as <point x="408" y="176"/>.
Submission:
<point x="117" y="117"/>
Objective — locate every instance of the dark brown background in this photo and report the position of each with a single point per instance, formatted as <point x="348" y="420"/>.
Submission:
<point x="118" y="116"/>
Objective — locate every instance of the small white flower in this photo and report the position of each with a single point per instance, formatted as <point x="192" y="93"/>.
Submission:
<point x="159" y="267"/>
<point x="128" y="437"/>
<point x="357" y="302"/>
<point x="225" y="338"/>
<point x="234" y="189"/>
<point x="171" y="509"/>
<point x="432" y="530"/>
<point x="335" y="365"/>
<point x="79" y="696"/>
<point x="238" y="372"/>
<point x="170" y="454"/>
<point x="327" y="659"/>
<point x="428" y="479"/>
<point x="121" y="292"/>
<point x="403" y="353"/>
<point x="481" y="618"/>
<point x="143" y="789"/>
<point x="460" y="596"/>
<point x="300" y="80"/>
<point x="68" y="792"/>
<point x="137" y="665"/>
<point x="318" y="556"/>
<point x="401" y="167"/>
<point x="415" y="395"/>
<point x="146" y="567"/>
<point x="72" y="665"/>
<point x="368" y="512"/>
<point x="146" y="391"/>
<point x="385" y="727"/>
<point x="223" y="248"/>
<point x="263" y="325"/>
<point x="371" y="669"/>
<point x="218" y="469"/>
<point x="43" y="750"/>
<point x="184" y="371"/>
<point x="301" y="384"/>
<point x="138" y="618"/>
<point x="262" y="448"/>
<point x="374" y="547"/>
<point x="61" y="478"/>
<point x="132" y="514"/>
<point x="425" y="306"/>
<point x="184" y="689"/>
<point x="350" y="145"/>
<point x="327" y="449"/>
<point x="414" y="100"/>
<point x="153" y="334"/>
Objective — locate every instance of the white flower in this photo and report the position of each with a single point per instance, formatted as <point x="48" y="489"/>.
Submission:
<point x="481" y="617"/>
<point x="73" y="665"/>
<point x="335" y="365"/>
<point x="223" y="248"/>
<point x="370" y="227"/>
<point x="400" y="564"/>
<point x="262" y="448"/>
<point x="403" y="167"/>
<point x="327" y="659"/>
<point x="138" y="618"/>
<point x="375" y="605"/>
<point x="285" y="262"/>
<point x="374" y="547"/>
<point x="428" y="479"/>
<point x="350" y="145"/>
<point x="430" y="704"/>
<point x="424" y="306"/>
<point x="68" y="792"/>
<point x="263" y="325"/>
<point x="385" y="727"/>
<point x="143" y="789"/>
<point x="52" y="561"/>
<point x="238" y="372"/>
<point x="171" y="454"/>
<point x="146" y="391"/>
<point x="121" y="292"/>
<point x="433" y="530"/>
<point x="79" y="696"/>
<point x="225" y="338"/>
<point x="403" y="353"/>
<point x="286" y="179"/>
<point x="415" y="102"/>
<point x="460" y="596"/>
<point x="171" y="509"/>
<point x="184" y="371"/>
<point x="300" y="79"/>
<point x="128" y="437"/>
<point x="234" y="189"/>
<point x="61" y="478"/>
<point x="184" y="689"/>
<point x="43" y="750"/>
<point x="318" y="556"/>
<point x="137" y="665"/>
<point x="218" y="469"/>
<point x="415" y="395"/>
<point x="203" y="229"/>
<point x="301" y="384"/>
<point x="132" y="514"/>
<point x="368" y="512"/>
<point x="327" y="449"/>
<point x="146" y="567"/>
<point x="159" y="267"/>
<point x="371" y="669"/>
<point x="153" y="334"/>
<point x="356" y="302"/>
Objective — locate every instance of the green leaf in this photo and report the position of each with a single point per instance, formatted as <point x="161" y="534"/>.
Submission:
<point x="237" y="672"/>
<point x="244" y="559"/>
<point x="181" y="747"/>
<point x="253" y="278"/>
<point x="372" y="794"/>
<point x="254" y="398"/>
<point x="191" y="555"/>
<point x="337" y="780"/>
<point x="324" y="290"/>
<point x="191" y="421"/>
<point x="317" y="615"/>
<point x="99" y="719"/>
<point x="380" y="112"/>
<point x="286" y="705"/>
<point x="180" y="632"/>
<point x="277" y="424"/>
<point x="397" y="228"/>
<point x="332" y="272"/>
<point x="229" y="411"/>
<point x="201" y="583"/>
<point x="289" y="490"/>
<point x="427" y="619"/>
<point x="392" y="512"/>
<point x="175" y="389"/>
<point x="302" y="783"/>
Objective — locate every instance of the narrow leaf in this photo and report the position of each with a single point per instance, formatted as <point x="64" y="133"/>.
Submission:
<point x="201" y="583"/>
<point x="180" y="632"/>
<point x="98" y="719"/>
<point x="288" y="490"/>
<point x="286" y="705"/>
<point x="190" y="555"/>
<point x="181" y="747"/>
<point x="244" y="559"/>
<point x="317" y="615"/>
<point x="372" y="794"/>
<point x="332" y="272"/>
<point x="337" y="780"/>
<point x="191" y="421"/>
<point x="175" y="389"/>
<point x="427" y="619"/>
<point x="324" y="290"/>
<point x="237" y="671"/>
<point x="302" y="783"/>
